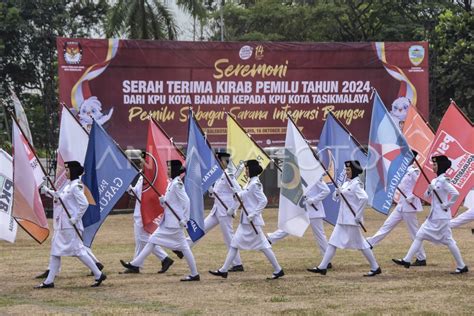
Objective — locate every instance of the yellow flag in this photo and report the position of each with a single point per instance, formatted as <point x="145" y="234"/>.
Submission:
<point x="241" y="148"/>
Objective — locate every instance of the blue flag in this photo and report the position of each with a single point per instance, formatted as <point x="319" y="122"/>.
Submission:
<point x="335" y="146"/>
<point x="389" y="158"/>
<point x="107" y="175"/>
<point x="202" y="170"/>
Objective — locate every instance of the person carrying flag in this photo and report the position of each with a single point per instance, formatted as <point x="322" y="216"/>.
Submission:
<point x="170" y="232"/>
<point x="347" y="234"/>
<point x="66" y="241"/>
<point x="405" y="210"/>
<point x="254" y="200"/>
<point x="467" y="216"/>
<point x="313" y="201"/>
<point x="141" y="236"/>
<point x="223" y="193"/>
<point x="437" y="228"/>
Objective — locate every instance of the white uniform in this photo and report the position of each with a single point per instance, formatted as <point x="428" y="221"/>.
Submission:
<point x="254" y="201"/>
<point x="245" y="237"/>
<point x="170" y="234"/>
<point x="347" y="234"/>
<point x="404" y="211"/>
<point x="218" y="214"/>
<point x="142" y="236"/>
<point x="65" y="241"/>
<point x="316" y="213"/>
<point x="436" y="227"/>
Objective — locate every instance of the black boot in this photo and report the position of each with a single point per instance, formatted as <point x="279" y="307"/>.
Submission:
<point x="219" y="273"/>
<point x="237" y="268"/>
<point x="179" y="254"/>
<point x="166" y="264"/>
<point x="131" y="267"/>
<point x="329" y="265"/>
<point x="43" y="275"/>
<point x="191" y="278"/>
<point x="99" y="280"/>
<point x="460" y="271"/>
<point x="419" y="263"/>
<point x="277" y="275"/>
<point x="45" y="286"/>
<point x="318" y="270"/>
<point x="402" y="262"/>
<point x="373" y="272"/>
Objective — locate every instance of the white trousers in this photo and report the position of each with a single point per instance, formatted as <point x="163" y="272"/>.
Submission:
<point x="331" y="251"/>
<point x="55" y="266"/>
<point x="464" y="218"/>
<point x="391" y="222"/>
<point x="141" y="238"/>
<point x="225" y="223"/>
<point x="318" y="233"/>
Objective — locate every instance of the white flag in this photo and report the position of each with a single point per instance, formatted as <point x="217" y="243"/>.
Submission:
<point x="8" y="226"/>
<point x="72" y="145"/>
<point x="21" y="116"/>
<point x="300" y="171"/>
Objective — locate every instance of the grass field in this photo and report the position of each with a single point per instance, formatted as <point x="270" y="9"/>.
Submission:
<point x="420" y="290"/>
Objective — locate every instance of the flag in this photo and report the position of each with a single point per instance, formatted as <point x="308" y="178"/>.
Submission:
<point x="242" y="148"/>
<point x="21" y="116"/>
<point x="335" y="146"/>
<point x="27" y="177"/>
<point x="388" y="160"/>
<point x="202" y="170"/>
<point x="418" y="134"/>
<point x="159" y="150"/>
<point x="107" y="175"/>
<point x="301" y="170"/>
<point x="454" y="139"/>
<point x="8" y="226"/>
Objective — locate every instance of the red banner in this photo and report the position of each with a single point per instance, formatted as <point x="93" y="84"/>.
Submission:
<point x="121" y="82"/>
<point x="454" y="139"/>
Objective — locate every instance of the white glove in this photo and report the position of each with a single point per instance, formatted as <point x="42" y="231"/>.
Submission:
<point x="183" y="223"/>
<point x="251" y="216"/>
<point x="445" y="205"/>
<point x="162" y="200"/>
<point x="235" y="190"/>
<point x="410" y="198"/>
<point x="338" y="191"/>
<point x="73" y="221"/>
<point x="44" y="189"/>
<point x="358" y="220"/>
<point x="310" y="202"/>
<point x="210" y="190"/>
<point x="431" y="187"/>
<point x="230" y="211"/>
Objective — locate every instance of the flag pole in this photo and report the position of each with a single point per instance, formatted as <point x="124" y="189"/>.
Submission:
<point x="363" y="149"/>
<point x="327" y="172"/>
<point x="13" y="117"/>
<point x="426" y="178"/>
<point x="254" y="142"/>
<point x="226" y="175"/>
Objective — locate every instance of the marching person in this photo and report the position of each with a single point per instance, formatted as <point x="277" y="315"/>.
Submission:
<point x="223" y="195"/>
<point x="313" y="201"/>
<point x="245" y="237"/>
<point x="65" y="241"/>
<point x="436" y="227"/>
<point x="170" y="233"/>
<point x="406" y="211"/>
<point x="347" y="234"/>
<point x="467" y="216"/>
<point x="142" y="236"/>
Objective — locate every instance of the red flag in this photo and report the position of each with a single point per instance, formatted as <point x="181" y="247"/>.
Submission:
<point x="159" y="150"/>
<point x="454" y="139"/>
<point x="418" y="134"/>
<point x="27" y="177"/>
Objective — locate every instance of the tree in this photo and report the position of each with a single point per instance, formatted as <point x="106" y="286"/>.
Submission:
<point x="141" y="19"/>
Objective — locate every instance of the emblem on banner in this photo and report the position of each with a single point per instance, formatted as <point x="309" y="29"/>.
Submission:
<point x="416" y="53"/>
<point x="6" y="194"/>
<point x="72" y="52"/>
<point x="245" y="52"/>
<point x="259" y="52"/>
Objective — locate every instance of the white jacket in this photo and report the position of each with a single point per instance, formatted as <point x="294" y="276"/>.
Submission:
<point x="225" y="193"/>
<point x="353" y="191"/>
<point x="254" y="201"/>
<point x="177" y="198"/>
<point x="75" y="202"/>
<point x="314" y="197"/>
<point x="448" y="194"/>
<point x="406" y="186"/>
